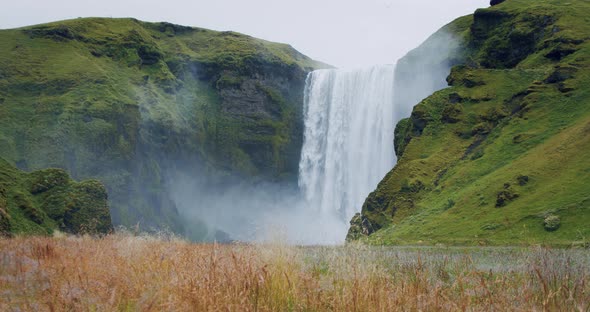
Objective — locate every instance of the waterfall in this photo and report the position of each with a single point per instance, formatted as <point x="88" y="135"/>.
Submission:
<point x="349" y="120"/>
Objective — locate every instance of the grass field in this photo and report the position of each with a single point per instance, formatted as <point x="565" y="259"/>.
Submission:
<point x="147" y="273"/>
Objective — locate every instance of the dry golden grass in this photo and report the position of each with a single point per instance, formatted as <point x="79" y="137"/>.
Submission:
<point x="126" y="272"/>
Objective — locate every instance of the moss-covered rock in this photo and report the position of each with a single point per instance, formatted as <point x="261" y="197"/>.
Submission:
<point x="46" y="200"/>
<point x="359" y="227"/>
<point x="551" y="223"/>
<point x="87" y="210"/>
<point x="44" y="180"/>
<point x="452" y="113"/>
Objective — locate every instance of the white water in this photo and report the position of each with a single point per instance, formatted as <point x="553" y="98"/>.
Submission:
<point x="349" y="120"/>
<point x="348" y="144"/>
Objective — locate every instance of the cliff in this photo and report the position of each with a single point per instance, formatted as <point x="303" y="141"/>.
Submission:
<point x="498" y="157"/>
<point x="130" y="103"/>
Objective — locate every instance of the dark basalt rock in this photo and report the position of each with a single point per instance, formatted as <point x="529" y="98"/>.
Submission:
<point x="506" y="40"/>
<point x="505" y="196"/>
<point x="561" y="73"/>
<point x="496" y="2"/>
<point x="148" y="55"/>
<point x="57" y="33"/>
<point x="455" y="98"/>
<point x="522" y="180"/>
<point x="173" y="28"/>
<point x="560" y="52"/>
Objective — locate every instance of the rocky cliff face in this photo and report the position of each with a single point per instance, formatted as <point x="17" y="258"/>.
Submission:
<point x="128" y="102"/>
<point x="496" y="155"/>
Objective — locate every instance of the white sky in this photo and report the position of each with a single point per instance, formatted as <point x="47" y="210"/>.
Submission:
<point x="344" y="33"/>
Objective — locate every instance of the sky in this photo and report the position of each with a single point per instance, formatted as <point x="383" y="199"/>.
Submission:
<point x="343" y="33"/>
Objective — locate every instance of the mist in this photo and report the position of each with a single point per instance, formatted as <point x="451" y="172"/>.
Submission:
<point x="424" y="70"/>
<point x="349" y="118"/>
<point x="262" y="212"/>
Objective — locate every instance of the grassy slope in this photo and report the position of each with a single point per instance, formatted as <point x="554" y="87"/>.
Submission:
<point x="43" y="201"/>
<point x="517" y="109"/>
<point x="114" y="99"/>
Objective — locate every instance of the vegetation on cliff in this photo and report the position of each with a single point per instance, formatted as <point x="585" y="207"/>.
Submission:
<point x="130" y="103"/>
<point x="43" y="201"/>
<point x="499" y="157"/>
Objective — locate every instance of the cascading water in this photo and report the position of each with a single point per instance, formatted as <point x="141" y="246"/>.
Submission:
<point x="348" y="141"/>
<point x="349" y="119"/>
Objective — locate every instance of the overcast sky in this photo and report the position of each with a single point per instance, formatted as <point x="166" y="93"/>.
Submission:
<point x="344" y="33"/>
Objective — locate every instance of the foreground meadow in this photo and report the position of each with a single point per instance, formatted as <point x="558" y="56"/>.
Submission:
<point x="146" y="273"/>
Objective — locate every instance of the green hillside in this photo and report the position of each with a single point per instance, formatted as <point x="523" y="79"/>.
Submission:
<point x="46" y="200"/>
<point x="501" y="156"/>
<point x="129" y="103"/>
